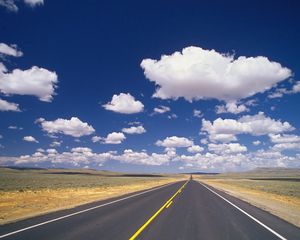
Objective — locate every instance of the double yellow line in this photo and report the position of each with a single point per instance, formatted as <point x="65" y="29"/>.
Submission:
<point x="166" y="205"/>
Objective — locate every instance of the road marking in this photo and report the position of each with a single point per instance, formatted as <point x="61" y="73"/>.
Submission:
<point x="138" y="232"/>
<point x="169" y="204"/>
<point x="247" y="214"/>
<point x="83" y="211"/>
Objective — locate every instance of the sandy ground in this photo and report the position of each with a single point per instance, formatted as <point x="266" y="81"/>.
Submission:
<point x="285" y="207"/>
<point x="17" y="205"/>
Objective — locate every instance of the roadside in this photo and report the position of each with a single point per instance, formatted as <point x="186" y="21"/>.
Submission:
<point x="279" y="197"/>
<point x="27" y="194"/>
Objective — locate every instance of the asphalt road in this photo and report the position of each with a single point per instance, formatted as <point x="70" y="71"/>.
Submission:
<point x="195" y="212"/>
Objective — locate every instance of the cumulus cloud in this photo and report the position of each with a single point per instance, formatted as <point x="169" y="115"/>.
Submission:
<point x="134" y="130"/>
<point x="174" y="142"/>
<point x="30" y="139"/>
<point x="226" y="129"/>
<point x="161" y="109"/>
<point x="82" y="156"/>
<point x="9" y="106"/>
<point x="11" y="5"/>
<point x="296" y="87"/>
<point x="194" y="74"/>
<point x="114" y="138"/>
<point x="73" y="127"/>
<point x="124" y="103"/>
<point x="10" y="50"/>
<point x="195" y="149"/>
<point x="35" y="81"/>
<point x="286" y="146"/>
<point x="284" y="138"/>
<point x="231" y="107"/>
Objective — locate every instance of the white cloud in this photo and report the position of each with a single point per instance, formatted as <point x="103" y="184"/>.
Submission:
<point x="195" y="149"/>
<point x="114" y="138"/>
<point x="286" y="146"/>
<point x="134" y="130"/>
<point x="15" y="127"/>
<point x="96" y="139"/>
<point x="124" y="103"/>
<point x="230" y="148"/>
<point x="130" y="156"/>
<point x="175" y="142"/>
<point x="35" y="81"/>
<point x="9" y="106"/>
<point x="256" y="143"/>
<point x="30" y="139"/>
<point x="255" y="125"/>
<point x="10" y="50"/>
<point x="33" y="3"/>
<point x="10" y="5"/>
<point x="73" y="127"/>
<point x="56" y="144"/>
<point x="296" y="87"/>
<point x="173" y="116"/>
<point x="284" y="138"/>
<point x="197" y="113"/>
<point x="196" y="73"/>
<point x="161" y="109"/>
<point x="231" y="107"/>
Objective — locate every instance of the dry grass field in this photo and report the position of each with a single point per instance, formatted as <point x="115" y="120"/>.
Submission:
<point x="274" y="190"/>
<point x="27" y="193"/>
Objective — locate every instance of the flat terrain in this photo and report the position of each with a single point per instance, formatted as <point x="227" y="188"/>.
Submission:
<point x="195" y="212"/>
<point x="274" y="190"/>
<point x="25" y="193"/>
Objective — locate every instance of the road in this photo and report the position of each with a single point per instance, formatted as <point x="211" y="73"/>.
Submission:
<point x="182" y="210"/>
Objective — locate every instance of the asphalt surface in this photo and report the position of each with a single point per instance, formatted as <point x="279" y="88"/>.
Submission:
<point x="195" y="213"/>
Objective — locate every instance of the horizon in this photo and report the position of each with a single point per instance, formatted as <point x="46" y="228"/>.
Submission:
<point x="144" y="88"/>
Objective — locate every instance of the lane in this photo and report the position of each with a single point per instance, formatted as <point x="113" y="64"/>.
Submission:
<point x="198" y="213"/>
<point x="115" y="221"/>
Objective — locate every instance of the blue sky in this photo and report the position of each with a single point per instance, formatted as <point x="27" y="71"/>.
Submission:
<point x="150" y="87"/>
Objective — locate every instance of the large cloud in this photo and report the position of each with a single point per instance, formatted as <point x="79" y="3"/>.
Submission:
<point x="73" y="127"/>
<point x="196" y="73"/>
<point x="224" y="130"/>
<point x="124" y="103"/>
<point x="35" y="81"/>
<point x="9" y="106"/>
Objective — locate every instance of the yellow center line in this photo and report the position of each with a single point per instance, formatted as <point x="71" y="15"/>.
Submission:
<point x="166" y="205"/>
<point x="169" y="204"/>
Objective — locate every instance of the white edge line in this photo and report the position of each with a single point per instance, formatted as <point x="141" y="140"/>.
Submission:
<point x="83" y="211"/>
<point x="247" y="214"/>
